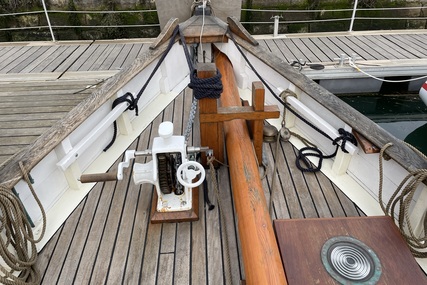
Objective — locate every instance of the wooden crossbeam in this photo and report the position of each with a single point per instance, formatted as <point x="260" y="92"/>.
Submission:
<point x="255" y="114"/>
<point x="240" y="112"/>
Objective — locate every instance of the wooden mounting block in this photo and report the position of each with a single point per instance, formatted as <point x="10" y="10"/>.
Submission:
<point x="175" y="217"/>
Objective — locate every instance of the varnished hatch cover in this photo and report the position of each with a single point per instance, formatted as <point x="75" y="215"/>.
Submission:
<point x="303" y="244"/>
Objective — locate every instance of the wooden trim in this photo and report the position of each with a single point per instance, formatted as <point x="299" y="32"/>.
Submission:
<point x="165" y="34"/>
<point x="260" y="251"/>
<point x="240" y="112"/>
<point x="365" y="144"/>
<point x="237" y="28"/>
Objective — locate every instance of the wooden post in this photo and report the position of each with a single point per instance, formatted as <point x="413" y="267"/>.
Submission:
<point x="211" y="134"/>
<point x="260" y="251"/>
<point x="256" y="126"/>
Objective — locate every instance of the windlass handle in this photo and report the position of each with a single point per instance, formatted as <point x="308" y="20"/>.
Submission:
<point x="98" y="177"/>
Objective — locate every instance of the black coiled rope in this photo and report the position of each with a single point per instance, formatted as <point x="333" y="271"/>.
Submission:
<point x="305" y="152"/>
<point x="206" y="87"/>
<point x="202" y="87"/>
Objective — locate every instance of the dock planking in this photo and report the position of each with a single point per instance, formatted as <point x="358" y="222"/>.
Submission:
<point x="29" y="108"/>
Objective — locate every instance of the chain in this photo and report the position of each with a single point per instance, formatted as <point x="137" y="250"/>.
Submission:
<point x="191" y="117"/>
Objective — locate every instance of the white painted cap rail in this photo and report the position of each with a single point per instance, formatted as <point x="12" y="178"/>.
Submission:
<point x="319" y="122"/>
<point x="91" y="137"/>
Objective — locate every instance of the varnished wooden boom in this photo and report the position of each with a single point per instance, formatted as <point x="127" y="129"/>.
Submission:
<point x="259" y="247"/>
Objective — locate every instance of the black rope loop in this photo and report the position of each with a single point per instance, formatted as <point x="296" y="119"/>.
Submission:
<point x="344" y="138"/>
<point x="303" y="155"/>
<point x="206" y="87"/>
<point x="133" y="105"/>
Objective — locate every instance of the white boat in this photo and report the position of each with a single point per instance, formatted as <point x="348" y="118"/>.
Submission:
<point x="74" y="146"/>
<point x="423" y="92"/>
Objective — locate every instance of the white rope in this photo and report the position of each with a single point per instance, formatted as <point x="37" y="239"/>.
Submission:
<point x="352" y="64"/>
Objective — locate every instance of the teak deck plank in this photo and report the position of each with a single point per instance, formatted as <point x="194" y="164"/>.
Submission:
<point x="392" y="49"/>
<point x="346" y="46"/>
<point x="115" y="52"/>
<point x="55" y="59"/>
<point x="133" y="53"/>
<point x="385" y="53"/>
<point x="298" y="54"/>
<point x="121" y="57"/>
<point x="94" y="57"/>
<point x="274" y="49"/>
<point x="81" y="60"/>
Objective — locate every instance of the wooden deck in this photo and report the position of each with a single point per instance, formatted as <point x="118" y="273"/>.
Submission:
<point x="109" y="240"/>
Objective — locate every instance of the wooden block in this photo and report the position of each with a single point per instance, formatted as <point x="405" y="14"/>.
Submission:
<point x="211" y="133"/>
<point x="258" y="99"/>
<point x="175" y="217"/>
<point x="365" y="144"/>
<point x="240" y="112"/>
<point x="258" y="96"/>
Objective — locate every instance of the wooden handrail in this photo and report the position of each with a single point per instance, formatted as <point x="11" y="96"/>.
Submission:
<point x="261" y="256"/>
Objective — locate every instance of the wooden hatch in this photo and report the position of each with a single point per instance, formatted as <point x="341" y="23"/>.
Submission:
<point x="301" y="242"/>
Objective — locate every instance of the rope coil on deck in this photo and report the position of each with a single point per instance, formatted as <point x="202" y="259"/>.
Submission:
<point x="17" y="244"/>
<point x="402" y="198"/>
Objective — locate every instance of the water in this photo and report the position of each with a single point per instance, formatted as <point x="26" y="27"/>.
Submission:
<point x="404" y="116"/>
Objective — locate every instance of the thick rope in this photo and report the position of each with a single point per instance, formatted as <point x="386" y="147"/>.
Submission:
<point x="403" y="197"/>
<point x="17" y="243"/>
<point x="308" y="151"/>
<point x="228" y="274"/>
